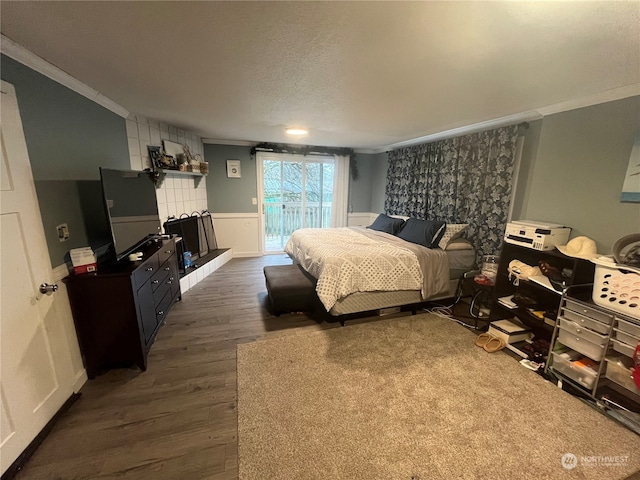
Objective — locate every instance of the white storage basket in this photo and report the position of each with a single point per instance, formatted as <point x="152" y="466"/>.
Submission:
<point x="617" y="287"/>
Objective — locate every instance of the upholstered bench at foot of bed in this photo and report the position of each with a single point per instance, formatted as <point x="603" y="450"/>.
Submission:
<point x="290" y="289"/>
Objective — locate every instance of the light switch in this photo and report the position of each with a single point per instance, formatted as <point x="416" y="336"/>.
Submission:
<point x="63" y="232"/>
<point x="254" y="201"/>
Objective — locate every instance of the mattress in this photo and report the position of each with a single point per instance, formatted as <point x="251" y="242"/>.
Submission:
<point x="460" y="262"/>
<point x="354" y="259"/>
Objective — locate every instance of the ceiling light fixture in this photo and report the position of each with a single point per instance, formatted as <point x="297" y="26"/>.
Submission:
<point x="296" y="131"/>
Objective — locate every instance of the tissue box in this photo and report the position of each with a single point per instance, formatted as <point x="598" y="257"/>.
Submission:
<point x="83" y="260"/>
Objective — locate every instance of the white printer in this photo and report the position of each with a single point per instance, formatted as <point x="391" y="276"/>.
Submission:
<point x="536" y="235"/>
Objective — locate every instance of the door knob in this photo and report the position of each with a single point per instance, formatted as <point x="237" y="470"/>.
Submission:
<point x="47" y="289"/>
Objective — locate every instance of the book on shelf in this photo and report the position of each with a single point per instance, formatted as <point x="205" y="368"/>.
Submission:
<point x="508" y="302"/>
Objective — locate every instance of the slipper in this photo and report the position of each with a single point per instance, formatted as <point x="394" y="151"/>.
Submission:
<point x="494" y="345"/>
<point x="483" y="339"/>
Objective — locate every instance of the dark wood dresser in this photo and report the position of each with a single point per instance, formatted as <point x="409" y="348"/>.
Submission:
<point x="118" y="310"/>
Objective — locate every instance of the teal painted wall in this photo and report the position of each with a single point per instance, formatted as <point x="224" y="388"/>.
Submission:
<point x="379" y="166"/>
<point x="580" y="165"/>
<point x="230" y="195"/>
<point x="68" y="138"/>
<point x="529" y="153"/>
<point x="233" y="195"/>
<point x="360" y="188"/>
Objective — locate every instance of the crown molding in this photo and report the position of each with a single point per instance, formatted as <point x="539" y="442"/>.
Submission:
<point x="588" y="101"/>
<point x="20" y="54"/>
<point x="537" y="114"/>
<point x="456" y="132"/>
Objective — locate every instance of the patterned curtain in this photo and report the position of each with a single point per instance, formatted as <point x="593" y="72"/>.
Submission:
<point x="459" y="180"/>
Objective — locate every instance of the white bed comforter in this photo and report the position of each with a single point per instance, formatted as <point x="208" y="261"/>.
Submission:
<point x="355" y="259"/>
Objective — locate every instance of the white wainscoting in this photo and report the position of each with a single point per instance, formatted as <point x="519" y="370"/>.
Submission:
<point x="239" y="231"/>
<point x="361" y="219"/>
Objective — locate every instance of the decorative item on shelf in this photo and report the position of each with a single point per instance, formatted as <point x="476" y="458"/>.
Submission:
<point x="187" y="152"/>
<point x="168" y="162"/>
<point x="181" y="160"/>
<point x="155" y="154"/>
<point x="204" y="168"/>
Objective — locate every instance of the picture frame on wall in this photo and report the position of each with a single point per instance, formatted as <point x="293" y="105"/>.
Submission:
<point x="233" y="169"/>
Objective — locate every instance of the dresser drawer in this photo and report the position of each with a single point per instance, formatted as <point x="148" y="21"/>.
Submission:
<point x="162" y="289"/>
<point x="168" y="249"/>
<point x="158" y="277"/>
<point x="145" y="271"/>
<point x="582" y="332"/>
<point x="163" y="307"/>
<point x="589" y="312"/>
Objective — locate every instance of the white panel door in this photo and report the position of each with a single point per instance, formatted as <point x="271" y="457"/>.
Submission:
<point x="36" y="371"/>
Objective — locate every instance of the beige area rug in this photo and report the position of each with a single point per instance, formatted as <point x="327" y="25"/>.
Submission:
<point x="412" y="398"/>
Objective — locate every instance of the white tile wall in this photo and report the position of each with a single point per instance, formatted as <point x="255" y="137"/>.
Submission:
<point x="178" y="194"/>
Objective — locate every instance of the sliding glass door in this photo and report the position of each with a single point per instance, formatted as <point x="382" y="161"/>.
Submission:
<point x="296" y="193"/>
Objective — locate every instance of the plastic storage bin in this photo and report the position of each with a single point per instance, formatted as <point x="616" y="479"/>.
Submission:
<point x="626" y="338"/>
<point x="586" y="321"/>
<point x="581" y="345"/>
<point x="618" y="371"/>
<point x="588" y="311"/>
<point x="585" y="376"/>
<point x="628" y="327"/>
<point x="623" y="348"/>
<point x="617" y="287"/>
<point x="585" y="333"/>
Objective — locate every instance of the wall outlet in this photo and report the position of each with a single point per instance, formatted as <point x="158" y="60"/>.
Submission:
<point x="254" y="201"/>
<point x="63" y="232"/>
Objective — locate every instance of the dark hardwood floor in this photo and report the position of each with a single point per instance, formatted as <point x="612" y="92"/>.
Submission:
<point x="177" y="420"/>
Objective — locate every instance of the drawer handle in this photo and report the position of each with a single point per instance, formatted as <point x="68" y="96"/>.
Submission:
<point x="585" y="311"/>
<point x="155" y="282"/>
<point x="166" y="269"/>
<point x="161" y="312"/>
<point x="578" y="330"/>
<point x="171" y="278"/>
<point x="169" y="282"/>
<point x="150" y="269"/>
<point x="168" y="252"/>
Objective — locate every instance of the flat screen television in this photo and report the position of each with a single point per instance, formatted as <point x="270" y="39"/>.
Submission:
<point x="132" y="208"/>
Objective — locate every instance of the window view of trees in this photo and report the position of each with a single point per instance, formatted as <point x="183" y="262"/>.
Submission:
<point x="296" y="195"/>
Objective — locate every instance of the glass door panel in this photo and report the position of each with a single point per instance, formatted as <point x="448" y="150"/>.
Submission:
<point x="297" y="194"/>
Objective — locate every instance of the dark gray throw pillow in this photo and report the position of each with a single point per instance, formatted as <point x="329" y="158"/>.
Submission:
<point x="385" y="223"/>
<point x="422" y="232"/>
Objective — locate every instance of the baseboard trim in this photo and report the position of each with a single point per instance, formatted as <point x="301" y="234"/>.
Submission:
<point x="247" y="254"/>
<point x="24" y="457"/>
<point x="81" y="379"/>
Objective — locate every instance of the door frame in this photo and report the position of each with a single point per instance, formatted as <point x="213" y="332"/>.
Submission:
<point x="54" y="315"/>
<point x="291" y="157"/>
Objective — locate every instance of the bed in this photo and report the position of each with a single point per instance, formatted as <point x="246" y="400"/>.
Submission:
<point x="360" y="270"/>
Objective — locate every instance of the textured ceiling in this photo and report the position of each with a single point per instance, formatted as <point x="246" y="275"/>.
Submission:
<point x="357" y="74"/>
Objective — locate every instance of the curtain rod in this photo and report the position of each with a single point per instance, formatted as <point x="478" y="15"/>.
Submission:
<point x="300" y="149"/>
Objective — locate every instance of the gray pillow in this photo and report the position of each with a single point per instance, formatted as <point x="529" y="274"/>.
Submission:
<point x="385" y="223"/>
<point x="422" y="232"/>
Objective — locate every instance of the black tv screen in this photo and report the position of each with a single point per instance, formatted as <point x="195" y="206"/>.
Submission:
<point x="132" y="208"/>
